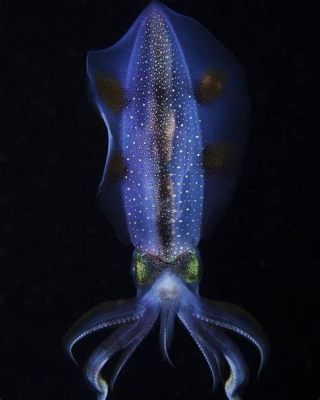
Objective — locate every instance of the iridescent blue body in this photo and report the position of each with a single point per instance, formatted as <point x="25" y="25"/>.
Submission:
<point x="175" y="103"/>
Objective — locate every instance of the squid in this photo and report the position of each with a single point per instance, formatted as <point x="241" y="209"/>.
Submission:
<point x="175" y="104"/>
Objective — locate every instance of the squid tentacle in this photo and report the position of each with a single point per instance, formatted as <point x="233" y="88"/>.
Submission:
<point x="107" y="314"/>
<point x="127" y="352"/>
<point x="238" y="368"/>
<point x="122" y="337"/>
<point x="209" y="353"/>
<point x="204" y="320"/>
<point x="235" y="319"/>
<point x="115" y="342"/>
<point x="167" y="320"/>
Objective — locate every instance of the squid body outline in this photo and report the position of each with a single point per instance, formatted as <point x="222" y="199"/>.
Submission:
<point x="175" y="103"/>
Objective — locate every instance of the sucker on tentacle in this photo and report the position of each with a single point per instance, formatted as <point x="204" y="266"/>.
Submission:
<point x="175" y="103"/>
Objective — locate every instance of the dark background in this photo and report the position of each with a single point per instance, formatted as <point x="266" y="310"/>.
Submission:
<point x="59" y="256"/>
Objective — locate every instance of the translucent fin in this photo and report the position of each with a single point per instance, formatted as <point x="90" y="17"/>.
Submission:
<point x="107" y="71"/>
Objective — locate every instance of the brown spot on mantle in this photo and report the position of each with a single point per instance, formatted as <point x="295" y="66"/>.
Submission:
<point x="217" y="158"/>
<point x="116" y="168"/>
<point x="110" y="92"/>
<point x="211" y="86"/>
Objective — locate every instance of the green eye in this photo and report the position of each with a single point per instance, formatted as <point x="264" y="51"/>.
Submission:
<point x="142" y="273"/>
<point x="192" y="271"/>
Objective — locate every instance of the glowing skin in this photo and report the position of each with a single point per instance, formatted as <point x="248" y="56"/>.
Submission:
<point x="175" y="104"/>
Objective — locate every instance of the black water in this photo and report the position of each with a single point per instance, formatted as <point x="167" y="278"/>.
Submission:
<point x="59" y="256"/>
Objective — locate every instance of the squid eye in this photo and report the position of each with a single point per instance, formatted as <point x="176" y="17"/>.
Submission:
<point x="141" y="270"/>
<point x="191" y="273"/>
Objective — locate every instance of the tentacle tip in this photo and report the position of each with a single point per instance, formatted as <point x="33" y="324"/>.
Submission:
<point x="103" y="395"/>
<point x="74" y="360"/>
<point x="233" y="396"/>
<point x="166" y="357"/>
<point x="112" y="383"/>
<point x="169" y="361"/>
<point x="260" y="369"/>
<point x="213" y="388"/>
<point x="215" y="382"/>
<point x="262" y="365"/>
<point x="69" y="352"/>
<point x="103" y="392"/>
